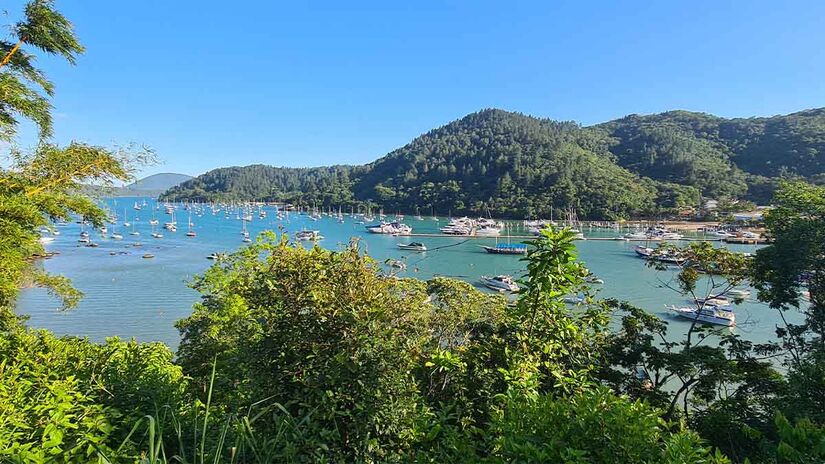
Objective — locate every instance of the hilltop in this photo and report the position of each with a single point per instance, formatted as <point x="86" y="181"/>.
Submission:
<point x="517" y="165"/>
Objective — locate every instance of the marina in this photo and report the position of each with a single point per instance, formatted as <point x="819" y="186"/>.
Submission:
<point x="149" y="275"/>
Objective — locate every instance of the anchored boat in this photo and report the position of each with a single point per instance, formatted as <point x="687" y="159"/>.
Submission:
<point x="500" y="283"/>
<point x="506" y="249"/>
<point x="414" y="246"/>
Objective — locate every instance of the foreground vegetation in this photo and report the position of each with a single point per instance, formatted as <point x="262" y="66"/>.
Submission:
<point x="297" y="355"/>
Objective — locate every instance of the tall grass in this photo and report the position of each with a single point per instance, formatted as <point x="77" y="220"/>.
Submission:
<point x="233" y="440"/>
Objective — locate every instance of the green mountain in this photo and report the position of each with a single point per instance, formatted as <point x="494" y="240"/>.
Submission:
<point x="515" y="165"/>
<point x="722" y="157"/>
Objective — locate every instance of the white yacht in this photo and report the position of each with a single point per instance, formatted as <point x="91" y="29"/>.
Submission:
<point x="708" y="314"/>
<point x="391" y="228"/>
<point x="500" y="283"/>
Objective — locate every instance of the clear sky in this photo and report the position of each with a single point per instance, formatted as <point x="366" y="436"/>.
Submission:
<point x="210" y="84"/>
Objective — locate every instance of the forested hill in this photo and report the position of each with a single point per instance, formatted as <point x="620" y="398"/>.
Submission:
<point x="723" y="157"/>
<point x="515" y="165"/>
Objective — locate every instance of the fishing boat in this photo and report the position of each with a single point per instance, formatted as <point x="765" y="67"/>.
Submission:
<point x="309" y="235"/>
<point x="414" y="246"/>
<point x="500" y="283"/>
<point x="708" y="314"/>
<point x="506" y="249"/>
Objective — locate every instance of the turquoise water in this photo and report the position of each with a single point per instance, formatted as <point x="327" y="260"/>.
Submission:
<point x="128" y="296"/>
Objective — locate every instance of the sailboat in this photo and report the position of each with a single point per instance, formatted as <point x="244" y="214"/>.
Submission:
<point x="245" y="233"/>
<point x="125" y="219"/>
<point x="115" y="235"/>
<point x="156" y="234"/>
<point x="190" y="233"/>
<point x="134" y="232"/>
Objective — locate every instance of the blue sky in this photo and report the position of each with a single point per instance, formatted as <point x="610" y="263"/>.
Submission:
<point x="210" y="84"/>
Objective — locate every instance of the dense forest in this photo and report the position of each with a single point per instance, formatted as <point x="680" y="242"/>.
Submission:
<point x="510" y="164"/>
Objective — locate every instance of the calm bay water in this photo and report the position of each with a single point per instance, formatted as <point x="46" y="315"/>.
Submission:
<point x="128" y="296"/>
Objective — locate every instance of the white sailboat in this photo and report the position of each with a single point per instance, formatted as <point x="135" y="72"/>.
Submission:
<point x="190" y="233"/>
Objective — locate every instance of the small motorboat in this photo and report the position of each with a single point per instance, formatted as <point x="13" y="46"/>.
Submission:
<point x="501" y="283"/>
<point x="396" y="264"/>
<point x="414" y="246"/>
<point x="148" y="256"/>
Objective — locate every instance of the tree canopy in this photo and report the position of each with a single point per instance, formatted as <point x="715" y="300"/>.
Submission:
<point x="513" y="165"/>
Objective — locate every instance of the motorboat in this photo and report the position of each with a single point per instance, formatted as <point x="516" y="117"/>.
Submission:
<point x="486" y="231"/>
<point x="391" y="228"/>
<point x="665" y="256"/>
<point x="414" y="246"/>
<point x="309" y="235"/>
<point x="500" y="283"/>
<point x="707" y="314"/>
<point x="396" y="264"/>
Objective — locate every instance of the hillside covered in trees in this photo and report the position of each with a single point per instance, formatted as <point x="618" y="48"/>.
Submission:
<point x="510" y="164"/>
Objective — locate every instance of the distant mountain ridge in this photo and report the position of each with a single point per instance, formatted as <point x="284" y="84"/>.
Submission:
<point x="162" y="181"/>
<point x="150" y="186"/>
<point x="517" y="165"/>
